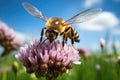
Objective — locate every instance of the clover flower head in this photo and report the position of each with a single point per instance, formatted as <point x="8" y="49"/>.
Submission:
<point x="98" y="67"/>
<point x="102" y="43"/>
<point x="48" y="59"/>
<point x="8" y="39"/>
<point x="84" y="52"/>
<point x="119" y="60"/>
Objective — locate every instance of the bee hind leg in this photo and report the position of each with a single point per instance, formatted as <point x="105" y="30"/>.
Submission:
<point x="72" y="38"/>
<point x="64" y="36"/>
<point x="72" y="41"/>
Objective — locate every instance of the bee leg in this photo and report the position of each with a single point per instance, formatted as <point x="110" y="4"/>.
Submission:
<point x="64" y="39"/>
<point x="64" y="36"/>
<point x="42" y="32"/>
<point x="72" y="39"/>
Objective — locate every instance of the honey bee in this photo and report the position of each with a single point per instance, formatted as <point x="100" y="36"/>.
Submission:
<point x="58" y="27"/>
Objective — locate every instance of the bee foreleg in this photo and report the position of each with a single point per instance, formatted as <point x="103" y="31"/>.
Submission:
<point x="42" y="32"/>
<point x="64" y="39"/>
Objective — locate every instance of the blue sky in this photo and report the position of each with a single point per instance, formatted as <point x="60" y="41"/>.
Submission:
<point x="14" y="15"/>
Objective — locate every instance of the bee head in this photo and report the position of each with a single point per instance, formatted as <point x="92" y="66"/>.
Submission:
<point x="51" y="34"/>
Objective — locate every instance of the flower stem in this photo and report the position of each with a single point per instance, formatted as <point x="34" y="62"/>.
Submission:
<point x="5" y="69"/>
<point x="4" y="73"/>
<point x="5" y="52"/>
<point x="15" y="75"/>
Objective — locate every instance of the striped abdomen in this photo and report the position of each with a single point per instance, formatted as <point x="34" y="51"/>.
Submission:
<point x="76" y="36"/>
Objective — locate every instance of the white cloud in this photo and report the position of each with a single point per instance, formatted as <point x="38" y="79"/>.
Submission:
<point x="102" y="21"/>
<point x="89" y="3"/>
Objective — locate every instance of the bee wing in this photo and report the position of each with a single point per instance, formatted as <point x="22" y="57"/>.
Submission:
<point x="34" y="11"/>
<point x="84" y="16"/>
